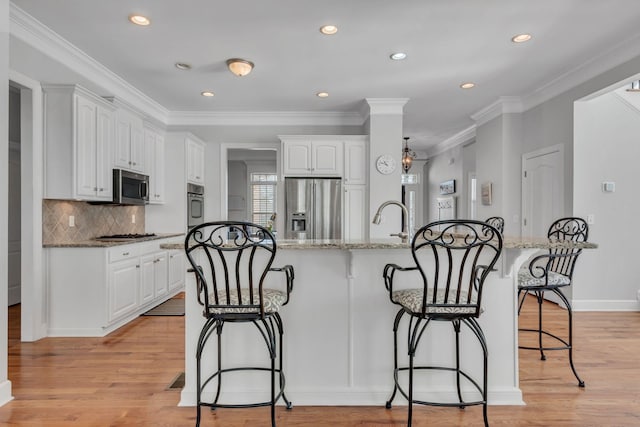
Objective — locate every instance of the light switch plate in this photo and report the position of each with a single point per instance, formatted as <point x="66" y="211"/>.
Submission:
<point x="609" y="187"/>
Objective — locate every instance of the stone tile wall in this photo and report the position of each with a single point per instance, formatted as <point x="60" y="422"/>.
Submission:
<point x="90" y="220"/>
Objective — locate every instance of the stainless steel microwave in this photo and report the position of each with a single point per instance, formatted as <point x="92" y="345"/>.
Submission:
<point x="130" y="188"/>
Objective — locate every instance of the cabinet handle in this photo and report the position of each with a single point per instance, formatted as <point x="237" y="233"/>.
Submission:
<point x="95" y="188"/>
<point x="138" y="266"/>
<point x="102" y="189"/>
<point x="125" y="253"/>
<point x="134" y="163"/>
<point x="171" y="256"/>
<point x="129" y="161"/>
<point x="197" y="177"/>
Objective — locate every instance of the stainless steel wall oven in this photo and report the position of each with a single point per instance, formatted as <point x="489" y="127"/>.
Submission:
<point x="195" y="205"/>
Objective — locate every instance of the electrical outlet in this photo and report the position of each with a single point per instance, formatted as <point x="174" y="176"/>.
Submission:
<point x="133" y="219"/>
<point x="591" y="219"/>
<point x="72" y="221"/>
<point x="638" y="295"/>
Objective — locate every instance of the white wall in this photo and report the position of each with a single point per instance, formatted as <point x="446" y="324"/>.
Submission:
<point x="489" y="161"/>
<point x="606" y="149"/>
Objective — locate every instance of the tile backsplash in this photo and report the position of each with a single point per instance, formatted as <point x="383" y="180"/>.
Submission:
<point x="90" y="220"/>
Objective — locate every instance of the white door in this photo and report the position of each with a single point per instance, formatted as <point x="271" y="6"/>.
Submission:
<point x="542" y="190"/>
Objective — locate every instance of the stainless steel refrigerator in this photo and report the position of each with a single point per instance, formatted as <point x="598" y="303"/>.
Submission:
<point x="313" y="208"/>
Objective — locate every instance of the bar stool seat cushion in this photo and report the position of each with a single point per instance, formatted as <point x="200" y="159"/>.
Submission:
<point x="411" y="299"/>
<point x="526" y="279"/>
<point x="273" y="301"/>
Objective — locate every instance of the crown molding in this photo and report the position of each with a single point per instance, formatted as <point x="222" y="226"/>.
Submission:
<point x="386" y="105"/>
<point x="263" y="118"/>
<point x="31" y="31"/>
<point x="459" y="138"/>
<point x="504" y="105"/>
<point x="599" y="64"/>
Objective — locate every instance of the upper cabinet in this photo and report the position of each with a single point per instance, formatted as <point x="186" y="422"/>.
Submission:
<point x="195" y="161"/>
<point x="78" y="132"/>
<point x="325" y="155"/>
<point x="129" y="149"/>
<point x="154" y="162"/>
<point x="312" y="155"/>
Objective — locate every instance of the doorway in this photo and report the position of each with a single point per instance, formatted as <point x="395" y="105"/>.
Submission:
<point x="14" y="198"/>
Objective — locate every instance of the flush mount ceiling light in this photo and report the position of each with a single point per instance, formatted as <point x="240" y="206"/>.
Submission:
<point x="239" y="67"/>
<point x="521" y="38"/>
<point x="322" y="94"/>
<point x="467" y="85"/>
<point x="398" y="56"/>
<point x="183" y="66"/>
<point x="207" y="93"/>
<point x="139" y="20"/>
<point x="328" y="29"/>
<point x="407" y="156"/>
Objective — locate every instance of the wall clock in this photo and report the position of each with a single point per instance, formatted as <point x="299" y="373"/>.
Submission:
<point x="386" y="164"/>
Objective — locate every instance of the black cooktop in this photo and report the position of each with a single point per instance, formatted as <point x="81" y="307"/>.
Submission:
<point x="125" y="236"/>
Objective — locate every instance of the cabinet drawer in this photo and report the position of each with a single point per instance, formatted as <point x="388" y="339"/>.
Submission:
<point x="120" y="253"/>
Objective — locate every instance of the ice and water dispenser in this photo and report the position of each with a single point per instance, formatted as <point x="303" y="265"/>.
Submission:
<point x="298" y="226"/>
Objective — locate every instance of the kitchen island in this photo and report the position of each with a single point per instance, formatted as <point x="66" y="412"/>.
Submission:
<point x="338" y="342"/>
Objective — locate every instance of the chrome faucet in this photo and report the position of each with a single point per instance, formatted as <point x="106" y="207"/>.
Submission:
<point x="404" y="234"/>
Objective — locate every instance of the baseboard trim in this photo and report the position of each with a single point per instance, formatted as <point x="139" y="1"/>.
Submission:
<point x="299" y="397"/>
<point x="605" y="305"/>
<point x="5" y="392"/>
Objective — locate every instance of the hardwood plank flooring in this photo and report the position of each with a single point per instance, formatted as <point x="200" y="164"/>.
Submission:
<point x="122" y="379"/>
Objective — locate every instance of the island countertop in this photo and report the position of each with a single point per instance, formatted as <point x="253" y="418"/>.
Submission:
<point x="509" y="243"/>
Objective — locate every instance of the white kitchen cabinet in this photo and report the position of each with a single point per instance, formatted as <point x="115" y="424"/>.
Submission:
<point x="355" y="162"/>
<point x="306" y="157"/>
<point x="177" y="268"/>
<point x="153" y="276"/>
<point x="129" y="149"/>
<point x="355" y="214"/>
<point x="79" y="128"/>
<point x="155" y="164"/>
<point x="195" y="161"/>
<point x="123" y="288"/>
<point x="93" y="291"/>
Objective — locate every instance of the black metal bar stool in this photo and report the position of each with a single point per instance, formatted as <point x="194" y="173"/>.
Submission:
<point x="452" y="260"/>
<point x="231" y="261"/>
<point x="496" y="222"/>
<point x="549" y="273"/>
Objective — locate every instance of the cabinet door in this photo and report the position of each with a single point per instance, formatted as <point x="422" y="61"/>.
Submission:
<point x="177" y="269"/>
<point x="326" y="158"/>
<point x="123" y="288"/>
<point x="355" y="170"/>
<point x="104" y="157"/>
<point x="147" y="286"/>
<point x="86" y="185"/>
<point x="354" y="212"/>
<point x="297" y="158"/>
<point x="161" y="274"/>
<point x="137" y="152"/>
<point x="158" y="185"/>
<point x="195" y="162"/>
<point x="122" y="148"/>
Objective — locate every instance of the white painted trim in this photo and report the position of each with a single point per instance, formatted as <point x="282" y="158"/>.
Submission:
<point x="616" y="55"/>
<point x="626" y="103"/>
<point x="460" y="138"/>
<point x="350" y="396"/>
<point x="504" y="105"/>
<point x="31" y="31"/>
<point x="264" y="118"/>
<point x="296" y="138"/>
<point x="605" y="305"/>
<point x="386" y="105"/>
<point x="5" y="392"/>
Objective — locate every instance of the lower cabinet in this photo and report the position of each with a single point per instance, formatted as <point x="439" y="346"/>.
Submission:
<point x="354" y="212"/>
<point x="94" y="291"/>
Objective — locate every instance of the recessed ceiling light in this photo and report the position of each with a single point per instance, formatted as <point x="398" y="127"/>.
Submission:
<point x="398" y="56"/>
<point x="328" y="29"/>
<point x="521" y="38"/>
<point x="322" y="94"/>
<point x="207" y="93"/>
<point x="183" y="66"/>
<point x="139" y="20"/>
<point x="467" y="85"/>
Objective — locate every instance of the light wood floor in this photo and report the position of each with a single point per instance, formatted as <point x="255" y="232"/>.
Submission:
<point x="121" y="380"/>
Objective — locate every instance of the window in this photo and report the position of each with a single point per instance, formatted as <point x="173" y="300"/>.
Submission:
<point x="263" y="197"/>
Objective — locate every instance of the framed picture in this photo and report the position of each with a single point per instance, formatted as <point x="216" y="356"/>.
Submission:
<point x="448" y="187"/>
<point x="485" y="192"/>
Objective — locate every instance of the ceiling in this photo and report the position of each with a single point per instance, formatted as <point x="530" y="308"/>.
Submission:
<point x="447" y="42"/>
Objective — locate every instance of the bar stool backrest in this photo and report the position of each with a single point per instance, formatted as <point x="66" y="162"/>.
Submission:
<point x="454" y="258"/>
<point x="562" y="260"/>
<point x="497" y="222"/>
<point x="231" y="260"/>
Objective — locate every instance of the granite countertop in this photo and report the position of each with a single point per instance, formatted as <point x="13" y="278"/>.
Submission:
<point x="110" y="243"/>
<point x="509" y="243"/>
